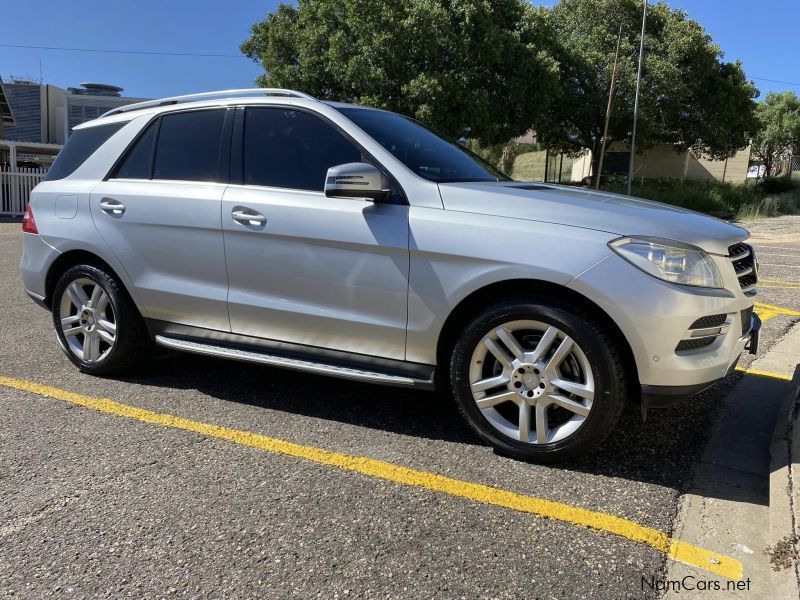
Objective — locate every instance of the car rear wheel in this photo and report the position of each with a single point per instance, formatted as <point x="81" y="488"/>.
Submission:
<point x="539" y="379"/>
<point x="97" y="325"/>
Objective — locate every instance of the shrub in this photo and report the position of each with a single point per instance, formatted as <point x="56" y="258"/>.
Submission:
<point x="776" y="185"/>
<point x="711" y="196"/>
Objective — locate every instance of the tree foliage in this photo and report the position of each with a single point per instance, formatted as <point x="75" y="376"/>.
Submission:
<point x="778" y="135"/>
<point x="492" y="69"/>
<point x="464" y="67"/>
<point x="689" y="97"/>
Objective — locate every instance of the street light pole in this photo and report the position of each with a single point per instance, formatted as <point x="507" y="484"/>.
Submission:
<point x="636" y="100"/>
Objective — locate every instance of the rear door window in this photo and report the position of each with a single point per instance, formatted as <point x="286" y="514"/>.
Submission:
<point x="189" y="144"/>
<point x="80" y="146"/>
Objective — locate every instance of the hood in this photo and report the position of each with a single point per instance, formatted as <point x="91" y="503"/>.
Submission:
<point x="612" y="213"/>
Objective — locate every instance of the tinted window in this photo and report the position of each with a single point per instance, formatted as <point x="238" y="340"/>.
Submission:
<point x="421" y="150"/>
<point x="188" y="146"/>
<point x="139" y="160"/>
<point x="292" y="149"/>
<point x="80" y="146"/>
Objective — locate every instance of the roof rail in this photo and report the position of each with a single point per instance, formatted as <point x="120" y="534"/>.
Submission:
<point x="243" y="93"/>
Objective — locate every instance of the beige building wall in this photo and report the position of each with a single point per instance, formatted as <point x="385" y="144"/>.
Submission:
<point x="663" y="161"/>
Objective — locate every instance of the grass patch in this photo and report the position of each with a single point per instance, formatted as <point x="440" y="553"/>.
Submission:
<point x="530" y="166"/>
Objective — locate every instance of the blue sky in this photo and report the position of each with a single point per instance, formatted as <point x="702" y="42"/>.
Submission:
<point x="762" y="35"/>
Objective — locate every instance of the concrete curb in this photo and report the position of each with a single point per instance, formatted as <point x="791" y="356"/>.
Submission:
<point x="784" y="489"/>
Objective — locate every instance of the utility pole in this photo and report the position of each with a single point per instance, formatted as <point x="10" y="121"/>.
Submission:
<point x="608" y="110"/>
<point x="636" y="101"/>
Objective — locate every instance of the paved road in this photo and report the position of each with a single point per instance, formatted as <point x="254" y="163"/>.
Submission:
<point x="93" y="504"/>
<point x="777" y="244"/>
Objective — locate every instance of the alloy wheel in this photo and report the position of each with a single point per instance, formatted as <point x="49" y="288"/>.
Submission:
<point x="531" y="381"/>
<point x="87" y="320"/>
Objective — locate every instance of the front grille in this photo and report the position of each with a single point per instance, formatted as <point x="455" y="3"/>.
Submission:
<point x="709" y="321"/>
<point x="747" y="317"/>
<point x="694" y="344"/>
<point x="744" y="263"/>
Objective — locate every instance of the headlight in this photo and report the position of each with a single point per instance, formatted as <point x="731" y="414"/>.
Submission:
<point x="669" y="260"/>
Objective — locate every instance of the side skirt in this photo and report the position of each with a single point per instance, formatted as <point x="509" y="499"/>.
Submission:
<point x="321" y="361"/>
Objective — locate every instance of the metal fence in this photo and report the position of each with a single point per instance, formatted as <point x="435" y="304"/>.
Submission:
<point x="15" y="189"/>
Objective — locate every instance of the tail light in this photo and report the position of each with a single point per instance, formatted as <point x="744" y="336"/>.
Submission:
<point x="28" y="222"/>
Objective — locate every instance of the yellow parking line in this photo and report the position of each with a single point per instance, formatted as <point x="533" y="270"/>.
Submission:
<point x="778" y="281"/>
<point x="776" y="309"/>
<point x="780" y="287"/>
<point x="764" y="373"/>
<point x="675" y="549"/>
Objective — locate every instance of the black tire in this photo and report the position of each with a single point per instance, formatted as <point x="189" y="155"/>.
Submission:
<point x="132" y="342"/>
<point x="600" y="348"/>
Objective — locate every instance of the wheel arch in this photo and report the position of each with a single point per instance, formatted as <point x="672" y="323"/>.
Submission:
<point x="70" y="259"/>
<point x="489" y="294"/>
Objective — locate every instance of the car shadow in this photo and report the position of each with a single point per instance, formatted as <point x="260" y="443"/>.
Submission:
<point x="662" y="450"/>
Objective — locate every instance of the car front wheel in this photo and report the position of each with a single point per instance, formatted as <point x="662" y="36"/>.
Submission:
<point x="539" y="379"/>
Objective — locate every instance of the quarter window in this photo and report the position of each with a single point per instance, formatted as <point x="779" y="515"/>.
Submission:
<point x="189" y="146"/>
<point x="292" y="149"/>
<point x="139" y="160"/>
<point x="80" y="146"/>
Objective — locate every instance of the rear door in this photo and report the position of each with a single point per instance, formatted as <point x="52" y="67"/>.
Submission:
<point x="159" y="211"/>
<point x="302" y="267"/>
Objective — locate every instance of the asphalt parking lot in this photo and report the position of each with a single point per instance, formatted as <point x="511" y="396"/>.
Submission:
<point x="94" y="503"/>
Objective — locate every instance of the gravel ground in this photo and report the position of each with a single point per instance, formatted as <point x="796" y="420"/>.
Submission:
<point x="93" y="505"/>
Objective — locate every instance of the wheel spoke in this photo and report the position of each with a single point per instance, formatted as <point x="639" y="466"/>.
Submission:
<point x="548" y="337"/>
<point x="542" y="427"/>
<point x="560" y="354"/>
<point x="70" y="320"/>
<point x="579" y="389"/>
<point x="570" y="405"/>
<point x="73" y="331"/>
<point x="107" y="325"/>
<point x="76" y="295"/>
<point x="497" y="352"/>
<point x="510" y="342"/>
<point x="91" y="348"/>
<point x="97" y="293"/>
<point x="491" y="401"/>
<point x="102" y="303"/>
<point x="490" y="382"/>
<point x="524" y="421"/>
<point x="106" y="337"/>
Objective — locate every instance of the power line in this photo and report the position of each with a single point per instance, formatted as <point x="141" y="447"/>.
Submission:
<point x="215" y="55"/>
<point x="106" y="51"/>
<point x="775" y="80"/>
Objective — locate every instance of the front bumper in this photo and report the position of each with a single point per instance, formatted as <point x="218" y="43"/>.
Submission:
<point x="655" y="317"/>
<point x="662" y="396"/>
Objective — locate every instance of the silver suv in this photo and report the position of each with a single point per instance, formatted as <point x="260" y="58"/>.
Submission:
<point x="270" y="227"/>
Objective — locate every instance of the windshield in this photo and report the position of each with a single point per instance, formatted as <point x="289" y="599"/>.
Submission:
<point x="420" y="149"/>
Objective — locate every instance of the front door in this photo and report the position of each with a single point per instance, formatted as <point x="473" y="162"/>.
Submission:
<point x="304" y="268"/>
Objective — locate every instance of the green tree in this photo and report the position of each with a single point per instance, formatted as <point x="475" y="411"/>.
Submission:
<point x="475" y="68"/>
<point x="778" y="134"/>
<point x="689" y="97"/>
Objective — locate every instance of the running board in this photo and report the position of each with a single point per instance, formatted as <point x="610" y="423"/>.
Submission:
<point x="297" y="364"/>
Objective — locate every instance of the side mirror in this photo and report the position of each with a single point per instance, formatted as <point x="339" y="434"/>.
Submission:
<point x="355" y="180"/>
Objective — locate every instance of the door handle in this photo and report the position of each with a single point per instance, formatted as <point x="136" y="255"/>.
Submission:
<point x="246" y="217"/>
<point x="112" y="207"/>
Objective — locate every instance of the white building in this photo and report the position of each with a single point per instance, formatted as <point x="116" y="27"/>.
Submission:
<point x="35" y="121"/>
